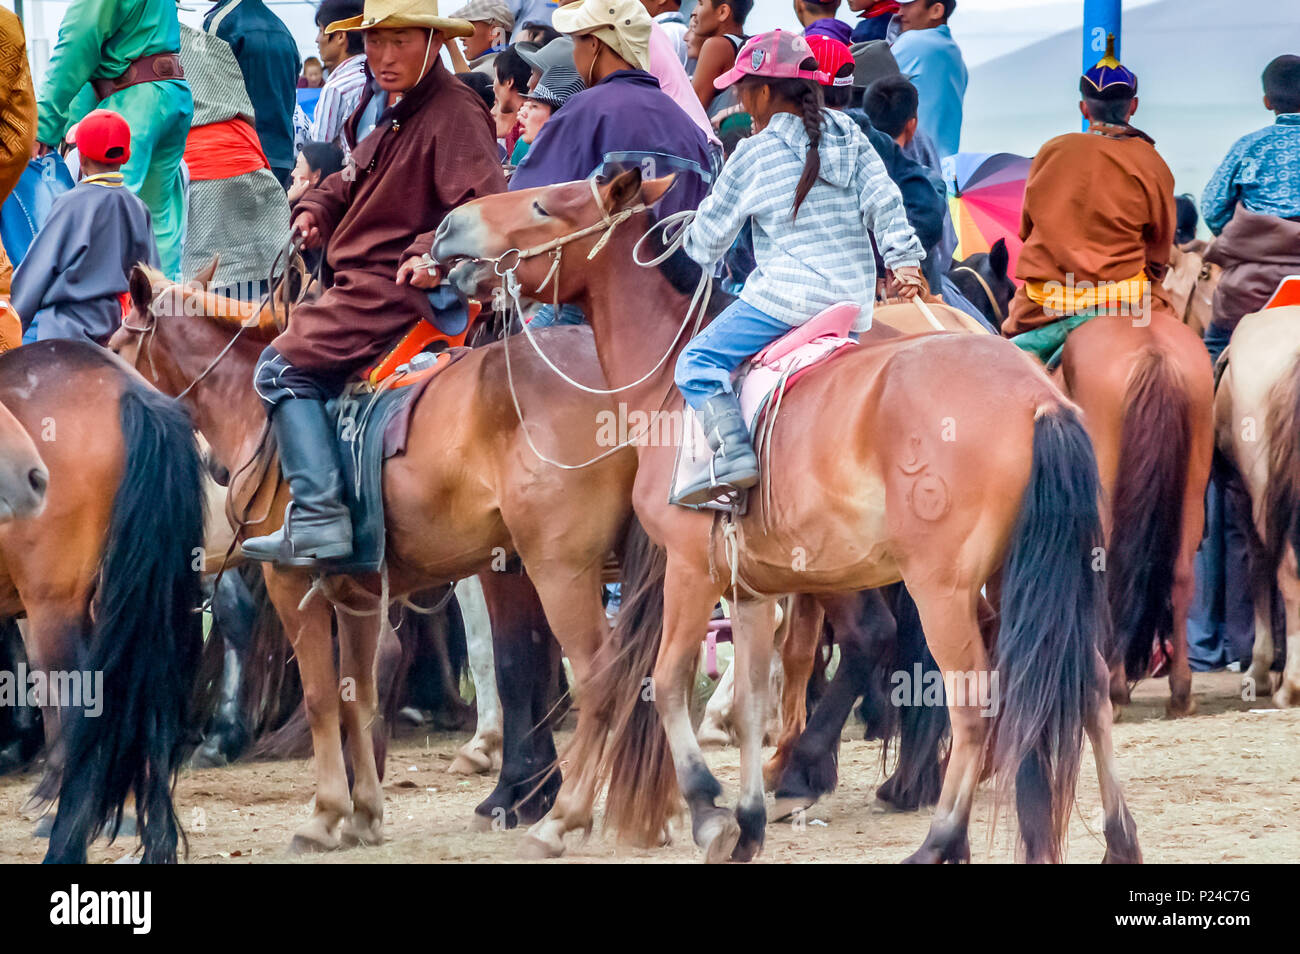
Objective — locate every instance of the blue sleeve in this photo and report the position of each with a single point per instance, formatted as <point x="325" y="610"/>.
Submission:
<point x="42" y="264"/>
<point x="1223" y="191"/>
<point x="564" y="151"/>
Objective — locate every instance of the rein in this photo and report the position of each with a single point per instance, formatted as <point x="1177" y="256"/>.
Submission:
<point x="997" y="307"/>
<point x="510" y="286"/>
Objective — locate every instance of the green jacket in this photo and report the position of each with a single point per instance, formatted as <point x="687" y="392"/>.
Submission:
<point x="99" y="39"/>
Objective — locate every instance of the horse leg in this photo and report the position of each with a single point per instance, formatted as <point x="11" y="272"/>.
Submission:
<point x="576" y="616"/>
<point x="753" y="636"/>
<point x="948" y="617"/>
<point x="799" y="658"/>
<point x="1256" y="679"/>
<point x="308" y="630"/>
<point x="521" y="645"/>
<point x="233" y="618"/>
<point x="689" y="597"/>
<point x="1120" y="831"/>
<point x="359" y="638"/>
<point x="715" y="729"/>
<point x="864" y="630"/>
<point x="1181" y="702"/>
<point x="482" y="753"/>
<point x="53" y="635"/>
<point x="1288" y="693"/>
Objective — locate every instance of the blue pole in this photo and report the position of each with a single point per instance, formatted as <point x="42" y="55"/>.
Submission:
<point x="1101" y="17"/>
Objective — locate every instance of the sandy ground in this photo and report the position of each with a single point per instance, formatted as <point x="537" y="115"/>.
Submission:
<point x="1216" y="787"/>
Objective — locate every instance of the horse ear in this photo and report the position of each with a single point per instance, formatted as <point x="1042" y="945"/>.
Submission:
<point x="999" y="258"/>
<point x="141" y="288"/>
<point x="653" y="191"/>
<point x="203" y="277"/>
<point x="622" y="190"/>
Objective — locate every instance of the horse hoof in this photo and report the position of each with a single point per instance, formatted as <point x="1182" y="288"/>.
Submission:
<point x="362" y="836"/>
<point x="470" y="762"/>
<point x="924" y="856"/>
<point x="534" y="848"/>
<point x="1178" y="708"/>
<point x="786" y="807"/>
<point x="1285" y="696"/>
<point x="719" y="848"/>
<point x="311" y="843"/>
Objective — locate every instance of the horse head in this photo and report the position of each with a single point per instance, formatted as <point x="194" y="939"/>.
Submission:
<point x="984" y="280"/>
<point x="528" y="233"/>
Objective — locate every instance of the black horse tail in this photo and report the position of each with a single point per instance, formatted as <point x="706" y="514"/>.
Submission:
<point x="1147" y="512"/>
<point x="625" y="736"/>
<point x="145" y="640"/>
<point x="1053" y="611"/>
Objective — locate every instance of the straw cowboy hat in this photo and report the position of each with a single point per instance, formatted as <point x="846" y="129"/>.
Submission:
<point x="395" y="14"/>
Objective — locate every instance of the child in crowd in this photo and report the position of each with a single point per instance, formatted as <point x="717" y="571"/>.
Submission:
<point x="76" y="271"/>
<point x="809" y="254"/>
<point x="317" y="162"/>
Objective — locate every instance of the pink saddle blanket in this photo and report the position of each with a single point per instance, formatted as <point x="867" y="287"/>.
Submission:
<point x="773" y="370"/>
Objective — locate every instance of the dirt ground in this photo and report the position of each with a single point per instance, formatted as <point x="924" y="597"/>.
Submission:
<point x="1216" y="787"/>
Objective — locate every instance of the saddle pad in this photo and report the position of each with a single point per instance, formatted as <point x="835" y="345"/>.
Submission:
<point x="361" y="421"/>
<point x="756" y="383"/>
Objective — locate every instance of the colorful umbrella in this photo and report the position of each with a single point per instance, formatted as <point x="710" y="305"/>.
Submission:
<point x="985" y="195"/>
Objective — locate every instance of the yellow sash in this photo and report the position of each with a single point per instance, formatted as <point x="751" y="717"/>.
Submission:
<point x="1062" y="300"/>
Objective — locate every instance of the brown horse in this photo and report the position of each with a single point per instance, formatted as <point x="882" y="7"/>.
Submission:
<point x="1257" y="407"/>
<point x="941" y="460"/>
<point x="469" y="492"/>
<point x="1146" y="390"/>
<point x="106" y="575"/>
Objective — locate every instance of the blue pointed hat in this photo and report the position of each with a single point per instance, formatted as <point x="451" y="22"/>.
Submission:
<point x="1109" y="79"/>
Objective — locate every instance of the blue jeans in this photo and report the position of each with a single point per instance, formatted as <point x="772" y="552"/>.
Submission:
<point x="705" y="366"/>
<point x="1216" y="339"/>
<point x="546" y="317"/>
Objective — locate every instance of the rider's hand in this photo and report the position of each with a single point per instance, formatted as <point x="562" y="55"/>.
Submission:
<point x="39" y="149"/>
<point x="908" y="282"/>
<point x="416" y="271"/>
<point x="304" y="224"/>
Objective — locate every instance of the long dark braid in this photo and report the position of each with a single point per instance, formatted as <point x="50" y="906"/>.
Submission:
<point x="810" y="104"/>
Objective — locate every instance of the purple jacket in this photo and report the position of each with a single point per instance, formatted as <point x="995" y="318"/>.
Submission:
<point x="624" y="120"/>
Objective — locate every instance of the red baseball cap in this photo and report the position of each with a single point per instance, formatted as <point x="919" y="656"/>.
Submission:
<point x="102" y="136"/>
<point x="832" y="56"/>
<point x="778" y="55"/>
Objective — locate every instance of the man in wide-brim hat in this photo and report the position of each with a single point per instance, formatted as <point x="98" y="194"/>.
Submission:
<point x="422" y="143"/>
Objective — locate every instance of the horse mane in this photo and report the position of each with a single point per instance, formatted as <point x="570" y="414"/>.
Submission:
<point x="221" y="310"/>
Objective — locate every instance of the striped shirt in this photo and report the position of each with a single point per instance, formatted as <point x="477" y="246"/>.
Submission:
<point x="824" y="255"/>
<point x="338" y="98"/>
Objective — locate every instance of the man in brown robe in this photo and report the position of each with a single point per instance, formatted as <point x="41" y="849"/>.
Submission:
<point x="421" y="144"/>
<point x="17" y="135"/>
<point x="1099" y="214"/>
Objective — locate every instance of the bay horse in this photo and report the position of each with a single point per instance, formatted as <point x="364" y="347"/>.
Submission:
<point x="941" y="460"/>
<point x="1146" y="389"/>
<point x="469" y="492"/>
<point x="1257" y="427"/>
<point x="107" y="578"/>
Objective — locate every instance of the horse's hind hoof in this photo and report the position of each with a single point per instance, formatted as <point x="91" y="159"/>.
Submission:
<point x="304" y="844"/>
<point x="535" y="849"/>
<point x="1178" y="708"/>
<point x="787" y="806"/>
<point x="362" y="836"/>
<point x="718" y="837"/>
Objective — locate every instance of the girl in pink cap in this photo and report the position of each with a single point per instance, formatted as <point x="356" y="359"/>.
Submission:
<point x="815" y="192"/>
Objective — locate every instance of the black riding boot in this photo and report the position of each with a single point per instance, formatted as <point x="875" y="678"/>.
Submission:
<point x="734" y="465"/>
<point x="317" y="525"/>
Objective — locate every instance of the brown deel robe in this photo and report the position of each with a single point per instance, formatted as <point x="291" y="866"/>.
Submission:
<point x="431" y="152"/>
<point x="17" y="117"/>
<point x="1256" y="252"/>
<point x="1100" y="207"/>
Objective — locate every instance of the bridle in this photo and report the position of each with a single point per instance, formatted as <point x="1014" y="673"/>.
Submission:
<point x="997" y="307"/>
<point x="291" y="250"/>
<point x="674" y="229"/>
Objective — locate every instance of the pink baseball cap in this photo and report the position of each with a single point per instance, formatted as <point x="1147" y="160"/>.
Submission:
<point x="776" y="55"/>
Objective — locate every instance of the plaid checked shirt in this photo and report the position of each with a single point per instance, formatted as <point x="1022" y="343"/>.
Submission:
<point x="824" y="256"/>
